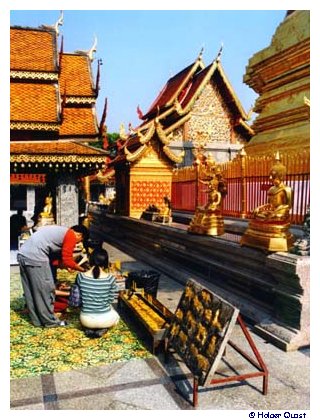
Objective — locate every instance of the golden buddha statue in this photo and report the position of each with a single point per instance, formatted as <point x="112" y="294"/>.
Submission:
<point x="269" y="228"/>
<point x="46" y="216"/>
<point x="47" y="209"/>
<point x="103" y="199"/>
<point x="208" y="219"/>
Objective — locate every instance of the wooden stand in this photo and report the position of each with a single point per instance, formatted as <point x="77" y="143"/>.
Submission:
<point x="152" y="315"/>
<point x="258" y="364"/>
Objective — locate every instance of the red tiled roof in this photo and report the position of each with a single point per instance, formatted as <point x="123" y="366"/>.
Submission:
<point x="32" y="49"/>
<point x="170" y="89"/>
<point x="75" y="76"/>
<point x="33" y="102"/>
<point x="194" y="85"/>
<point x="78" y="122"/>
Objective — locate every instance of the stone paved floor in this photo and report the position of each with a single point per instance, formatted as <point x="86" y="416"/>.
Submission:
<point x="152" y="384"/>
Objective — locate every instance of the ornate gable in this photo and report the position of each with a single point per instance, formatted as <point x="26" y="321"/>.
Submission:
<point x="210" y="117"/>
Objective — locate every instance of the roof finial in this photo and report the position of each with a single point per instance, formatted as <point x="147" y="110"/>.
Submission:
<point x="54" y="27"/>
<point x="90" y="52"/>
<point x="201" y="52"/>
<point x="219" y="53"/>
<point x="59" y="22"/>
<point x="93" y="48"/>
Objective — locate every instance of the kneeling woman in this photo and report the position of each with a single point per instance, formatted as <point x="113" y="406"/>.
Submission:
<point x="98" y="290"/>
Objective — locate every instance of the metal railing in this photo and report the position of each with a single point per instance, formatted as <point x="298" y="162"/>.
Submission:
<point x="248" y="181"/>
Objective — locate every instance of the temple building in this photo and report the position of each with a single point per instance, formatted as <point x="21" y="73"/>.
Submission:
<point x="52" y="122"/>
<point x="143" y="170"/>
<point x="198" y="107"/>
<point x="280" y="74"/>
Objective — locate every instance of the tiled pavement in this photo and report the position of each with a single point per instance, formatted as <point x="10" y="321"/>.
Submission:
<point x="152" y="384"/>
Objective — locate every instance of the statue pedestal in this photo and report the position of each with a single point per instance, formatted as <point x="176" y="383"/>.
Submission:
<point x="45" y="221"/>
<point x="270" y="236"/>
<point x="207" y="222"/>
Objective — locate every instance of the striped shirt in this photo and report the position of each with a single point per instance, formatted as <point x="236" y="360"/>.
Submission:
<point x="97" y="294"/>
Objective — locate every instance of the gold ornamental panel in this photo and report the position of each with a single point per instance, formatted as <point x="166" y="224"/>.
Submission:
<point x="146" y="192"/>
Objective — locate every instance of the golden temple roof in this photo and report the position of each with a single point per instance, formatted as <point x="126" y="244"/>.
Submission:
<point x="51" y="93"/>
<point x="78" y="122"/>
<point x="75" y="77"/>
<point x="42" y="55"/>
<point x="58" y="156"/>
<point x="33" y="102"/>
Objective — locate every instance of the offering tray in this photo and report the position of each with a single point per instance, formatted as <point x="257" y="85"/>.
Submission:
<point x="148" y="311"/>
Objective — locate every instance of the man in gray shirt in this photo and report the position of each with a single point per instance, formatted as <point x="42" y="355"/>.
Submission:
<point x="50" y="245"/>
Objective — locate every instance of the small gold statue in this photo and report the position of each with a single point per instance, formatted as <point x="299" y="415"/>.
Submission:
<point x="279" y="197"/>
<point x="269" y="228"/>
<point x="208" y="220"/>
<point x="47" y="209"/>
<point x="103" y="199"/>
<point x="46" y="216"/>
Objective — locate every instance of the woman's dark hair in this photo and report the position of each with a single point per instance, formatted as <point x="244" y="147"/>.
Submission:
<point x="99" y="258"/>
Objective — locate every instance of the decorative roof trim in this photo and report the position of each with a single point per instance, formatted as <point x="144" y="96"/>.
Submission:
<point x="177" y="124"/>
<point x="246" y="126"/>
<point x="81" y="100"/>
<point x="173" y="156"/>
<point x="151" y="122"/>
<point x="197" y="63"/>
<point x="89" y="53"/>
<point x="34" y="126"/>
<point x="244" y="115"/>
<point x="182" y="111"/>
<point x="144" y="138"/>
<point x="55" y="158"/>
<point x="131" y="157"/>
<point x="34" y="75"/>
<point x="161" y="133"/>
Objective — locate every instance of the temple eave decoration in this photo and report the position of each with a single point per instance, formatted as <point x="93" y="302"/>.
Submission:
<point x="34" y="75"/>
<point x="80" y="100"/>
<point x="40" y="126"/>
<point x="56" y="158"/>
<point x="172" y="156"/>
<point x="165" y="140"/>
<point x="145" y="138"/>
<point x="132" y="156"/>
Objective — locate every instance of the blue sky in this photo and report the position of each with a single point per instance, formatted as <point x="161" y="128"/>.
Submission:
<point x="142" y="49"/>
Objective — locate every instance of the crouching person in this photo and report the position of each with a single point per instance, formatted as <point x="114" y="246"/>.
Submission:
<point x="98" y="289"/>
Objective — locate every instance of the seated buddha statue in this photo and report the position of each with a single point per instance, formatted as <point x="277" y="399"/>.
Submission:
<point x="279" y="198"/>
<point x="47" y="209"/>
<point x="46" y="216"/>
<point x="269" y="228"/>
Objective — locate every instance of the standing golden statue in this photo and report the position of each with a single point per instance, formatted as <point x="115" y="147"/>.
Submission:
<point x="269" y="228"/>
<point x="208" y="219"/>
